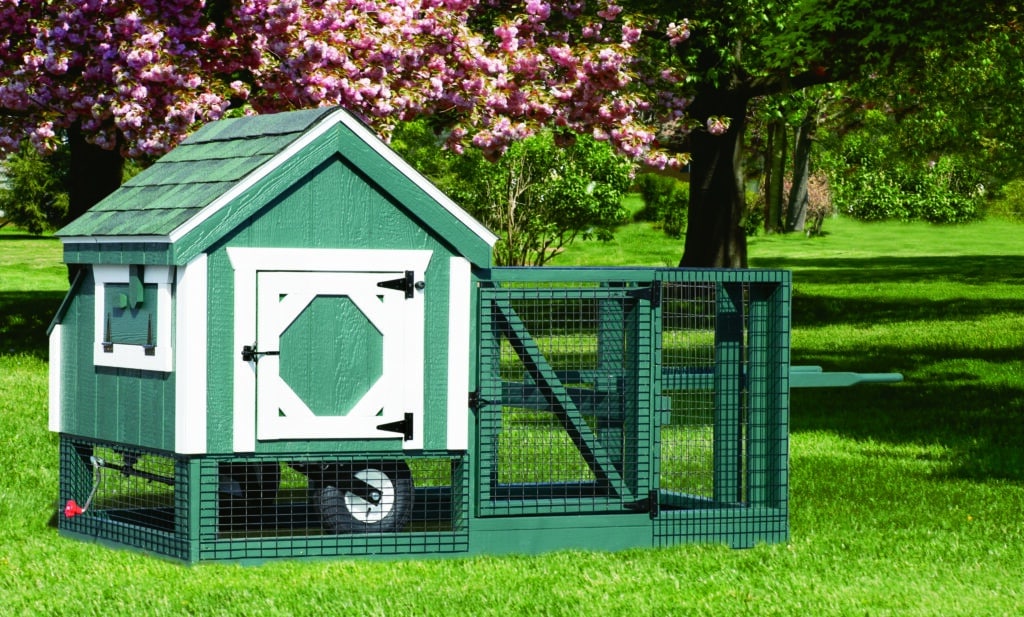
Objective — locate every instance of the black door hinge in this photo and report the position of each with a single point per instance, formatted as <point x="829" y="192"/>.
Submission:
<point x="403" y="426"/>
<point x="407" y="284"/>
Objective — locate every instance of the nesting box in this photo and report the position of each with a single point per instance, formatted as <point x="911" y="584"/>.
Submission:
<point x="282" y="341"/>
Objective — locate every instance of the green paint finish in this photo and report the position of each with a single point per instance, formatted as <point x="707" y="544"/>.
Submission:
<point x="729" y="354"/>
<point x="221" y="353"/>
<point x="328" y="207"/>
<point x="126" y="322"/>
<point x="119" y="405"/>
<point x="331" y="355"/>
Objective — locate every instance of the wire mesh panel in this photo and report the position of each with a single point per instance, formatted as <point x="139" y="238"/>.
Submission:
<point x="723" y="346"/>
<point x="126" y="495"/>
<point x="259" y="507"/>
<point x="562" y="425"/>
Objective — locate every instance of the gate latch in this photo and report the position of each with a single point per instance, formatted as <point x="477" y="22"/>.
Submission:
<point x="249" y="353"/>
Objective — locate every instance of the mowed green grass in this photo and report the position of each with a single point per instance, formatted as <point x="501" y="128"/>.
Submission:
<point x="906" y="499"/>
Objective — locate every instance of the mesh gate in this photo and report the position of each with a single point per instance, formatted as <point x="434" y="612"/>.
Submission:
<point x="313" y="505"/>
<point x="564" y="399"/>
<point x="127" y="495"/>
<point x="724" y="366"/>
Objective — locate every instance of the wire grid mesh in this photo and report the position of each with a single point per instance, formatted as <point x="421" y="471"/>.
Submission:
<point x="555" y="432"/>
<point x="314" y="506"/>
<point x="724" y="369"/>
<point x="688" y="317"/>
<point x="127" y="495"/>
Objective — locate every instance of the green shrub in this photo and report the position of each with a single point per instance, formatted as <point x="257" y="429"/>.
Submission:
<point x="753" y="219"/>
<point x="1009" y="203"/>
<point x="943" y="192"/>
<point x="666" y="200"/>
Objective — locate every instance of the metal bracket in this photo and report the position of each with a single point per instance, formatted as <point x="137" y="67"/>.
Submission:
<point x="250" y="354"/>
<point x="403" y="426"/>
<point x="651" y="293"/>
<point x="407" y="284"/>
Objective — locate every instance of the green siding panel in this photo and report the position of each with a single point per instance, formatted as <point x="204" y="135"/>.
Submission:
<point x="118" y="405"/>
<point x="331" y="355"/>
<point x="328" y="207"/>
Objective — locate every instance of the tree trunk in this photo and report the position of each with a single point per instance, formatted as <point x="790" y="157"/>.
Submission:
<point x="714" y="230"/>
<point x="94" y="173"/>
<point x="797" y="211"/>
<point x="775" y="175"/>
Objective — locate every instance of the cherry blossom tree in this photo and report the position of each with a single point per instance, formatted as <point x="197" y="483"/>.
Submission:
<point x="131" y="79"/>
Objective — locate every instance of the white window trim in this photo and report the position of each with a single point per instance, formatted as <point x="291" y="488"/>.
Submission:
<point x="134" y="356"/>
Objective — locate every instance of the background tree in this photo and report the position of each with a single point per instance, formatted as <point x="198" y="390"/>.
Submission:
<point x="126" y="79"/>
<point x="744" y="49"/>
<point x="33" y="193"/>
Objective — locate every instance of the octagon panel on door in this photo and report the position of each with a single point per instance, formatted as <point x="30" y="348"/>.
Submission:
<point x="334" y="349"/>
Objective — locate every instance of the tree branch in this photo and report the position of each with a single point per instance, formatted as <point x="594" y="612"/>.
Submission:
<point x="776" y="84"/>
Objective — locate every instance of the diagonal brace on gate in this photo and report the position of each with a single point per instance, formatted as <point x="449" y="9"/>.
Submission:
<point x="562" y="405"/>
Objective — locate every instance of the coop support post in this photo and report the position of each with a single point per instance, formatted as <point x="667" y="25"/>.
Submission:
<point x="728" y="397"/>
<point x="188" y="504"/>
<point x="487" y="402"/>
<point x="767" y="394"/>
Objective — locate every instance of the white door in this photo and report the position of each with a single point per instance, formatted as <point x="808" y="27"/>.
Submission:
<point x="336" y="354"/>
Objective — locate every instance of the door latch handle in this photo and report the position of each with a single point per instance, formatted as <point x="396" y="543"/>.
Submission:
<point x="250" y="354"/>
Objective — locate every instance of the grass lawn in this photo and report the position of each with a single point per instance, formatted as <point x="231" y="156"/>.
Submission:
<point x="906" y="499"/>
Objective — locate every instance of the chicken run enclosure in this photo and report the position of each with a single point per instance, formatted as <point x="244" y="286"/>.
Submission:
<point x="296" y="346"/>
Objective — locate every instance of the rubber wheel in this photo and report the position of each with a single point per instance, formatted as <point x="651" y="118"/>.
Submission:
<point x="372" y="497"/>
<point x="247" y="493"/>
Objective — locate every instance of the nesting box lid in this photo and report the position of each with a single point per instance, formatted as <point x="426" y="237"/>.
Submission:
<point x="219" y="177"/>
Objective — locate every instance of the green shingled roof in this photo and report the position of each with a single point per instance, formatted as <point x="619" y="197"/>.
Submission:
<point x="193" y="175"/>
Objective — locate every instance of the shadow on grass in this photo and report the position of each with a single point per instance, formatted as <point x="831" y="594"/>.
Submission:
<point x="977" y="423"/>
<point x="812" y="310"/>
<point x="965" y="270"/>
<point x="24" y="317"/>
<point x="21" y="236"/>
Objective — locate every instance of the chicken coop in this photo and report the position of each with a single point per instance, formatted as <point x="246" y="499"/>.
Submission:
<point x="281" y="341"/>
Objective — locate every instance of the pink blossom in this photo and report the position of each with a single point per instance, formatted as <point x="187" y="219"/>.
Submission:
<point x="538" y="9"/>
<point x="630" y="34"/>
<point x="141" y="75"/>
<point x="717" y="125"/>
<point x="678" y="33"/>
<point x="610" y="11"/>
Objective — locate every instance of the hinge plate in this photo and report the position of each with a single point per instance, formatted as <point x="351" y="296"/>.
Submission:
<point x="406" y="283"/>
<point x="403" y="426"/>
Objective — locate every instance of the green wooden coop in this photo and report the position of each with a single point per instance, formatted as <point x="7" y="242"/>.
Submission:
<point x="281" y="341"/>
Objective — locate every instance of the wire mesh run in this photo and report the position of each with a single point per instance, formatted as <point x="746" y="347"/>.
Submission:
<point x="126" y="495"/>
<point x="258" y="508"/>
<point x="559" y="429"/>
<point x="724" y="371"/>
<point x="688" y="317"/>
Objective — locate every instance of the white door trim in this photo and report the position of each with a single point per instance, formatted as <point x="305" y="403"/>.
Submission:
<point x="248" y="261"/>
